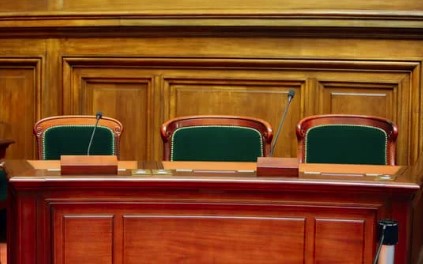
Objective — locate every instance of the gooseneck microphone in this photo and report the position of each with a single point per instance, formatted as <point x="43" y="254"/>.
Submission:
<point x="98" y="116"/>
<point x="291" y="95"/>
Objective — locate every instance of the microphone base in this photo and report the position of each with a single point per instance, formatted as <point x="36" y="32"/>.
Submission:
<point x="88" y="165"/>
<point x="277" y="167"/>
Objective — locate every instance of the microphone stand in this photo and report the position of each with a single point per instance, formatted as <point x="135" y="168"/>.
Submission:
<point x="89" y="164"/>
<point x="272" y="166"/>
<point x="98" y="116"/>
<point x="275" y="140"/>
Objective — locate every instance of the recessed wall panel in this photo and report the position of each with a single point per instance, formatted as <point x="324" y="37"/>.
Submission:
<point x="19" y="93"/>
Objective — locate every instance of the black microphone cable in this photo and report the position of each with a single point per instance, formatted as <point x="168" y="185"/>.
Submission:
<point x="388" y="232"/>
<point x="382" y="237"/>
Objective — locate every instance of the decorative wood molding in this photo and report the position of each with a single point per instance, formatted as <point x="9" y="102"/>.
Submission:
<point x="246" y="63"/>
<point x="282" y="23"/>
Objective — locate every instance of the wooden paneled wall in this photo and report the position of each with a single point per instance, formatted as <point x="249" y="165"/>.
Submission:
<point x="144" y="62"/>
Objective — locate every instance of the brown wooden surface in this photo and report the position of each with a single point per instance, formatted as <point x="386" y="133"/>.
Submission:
<point x="144" y="62"/>
<point x="151" y="6"/>
<point x="3" y="253"/>
<point x="275" y="166"/>
<point x="225" y="218"/>
<point x="88" y="164"/>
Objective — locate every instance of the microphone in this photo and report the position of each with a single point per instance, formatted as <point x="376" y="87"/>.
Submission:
<point x="291" y="95"/>
<point x="98" y="116"/>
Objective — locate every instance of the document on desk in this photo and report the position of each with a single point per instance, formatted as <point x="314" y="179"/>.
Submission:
<point x="349" y="170"/>
<point x="210" y="166"/>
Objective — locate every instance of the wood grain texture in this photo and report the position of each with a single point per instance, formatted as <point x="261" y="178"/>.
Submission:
<point x="226" y="218"/>
<point x="19" y="93"/>
<point x="189" y="5"/>
<point x="84" y="239"/>
<point x="145" y="81"/>
<point x="146" y="61"/>
<point x="250" y="87"/>
<point x="3" y="253"/>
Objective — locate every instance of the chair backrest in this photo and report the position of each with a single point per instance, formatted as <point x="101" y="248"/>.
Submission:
<point x="347" y="139"/>
<point x="71" y="134"/>
<point x="216" y="138"/>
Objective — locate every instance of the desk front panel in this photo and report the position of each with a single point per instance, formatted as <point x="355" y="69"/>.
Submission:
<point x="199" y="226"/>
<point x="232" y="217"/>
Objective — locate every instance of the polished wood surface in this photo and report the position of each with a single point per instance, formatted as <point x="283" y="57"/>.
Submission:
<point x="203" y="215"/>
<point x="3" y="253"/>
<point x="144" y="62"/>
<point x="151" y="6"/>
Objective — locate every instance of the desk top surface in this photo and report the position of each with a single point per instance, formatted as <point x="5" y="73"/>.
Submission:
<point x="235" y="173"/>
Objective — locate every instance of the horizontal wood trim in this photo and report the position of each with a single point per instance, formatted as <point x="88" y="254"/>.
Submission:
<point x="264" y="5"/>
<point x="248" y="63"/>
<point x="356" y="23"/>
<point x="221" y="13"/>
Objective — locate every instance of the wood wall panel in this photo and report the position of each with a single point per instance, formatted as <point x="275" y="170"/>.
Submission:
<point x="145" y="92"/>
<point x="128" y="102"/>
<point x="124" y="95"/>
<point x="381" y="94"/>
<point x="226" y="95"/>
<point x="236" y="5"/>
<point x="147" y="59"/>
<point x="20" y="98"/>
<point x="360" y="99"/>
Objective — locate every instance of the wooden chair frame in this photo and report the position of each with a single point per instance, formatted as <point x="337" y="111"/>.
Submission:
<point x="90" y="120"/>
<point x="387" y="125"/>
<point x="169" y="127"/>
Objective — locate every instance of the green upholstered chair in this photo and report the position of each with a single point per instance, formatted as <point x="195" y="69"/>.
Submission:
<point x="347" y="139"/>
<point x="3" y="204"/>
<point x="71" y="134"/>
<point x="215" y="138"/>
<point x="4" y="144"/>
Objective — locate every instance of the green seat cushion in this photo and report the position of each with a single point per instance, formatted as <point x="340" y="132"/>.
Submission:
<point x="346" y="144"/>
<point x="3" y="196"/>
<point x="3" y="185"/>
<point x="74" y="140"/>
<point x="216" y="143"/>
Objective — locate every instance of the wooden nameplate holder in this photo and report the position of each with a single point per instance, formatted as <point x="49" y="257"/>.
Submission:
<point x="88" y="165"/>
<point x="280" y="167"/>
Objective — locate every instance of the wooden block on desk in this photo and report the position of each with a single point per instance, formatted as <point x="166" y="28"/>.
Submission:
<point x="281" y="167"/>
<point x="88" y="165"/>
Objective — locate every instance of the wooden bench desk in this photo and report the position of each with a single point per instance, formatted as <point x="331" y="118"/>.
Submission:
<point x="204" y="213"/>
